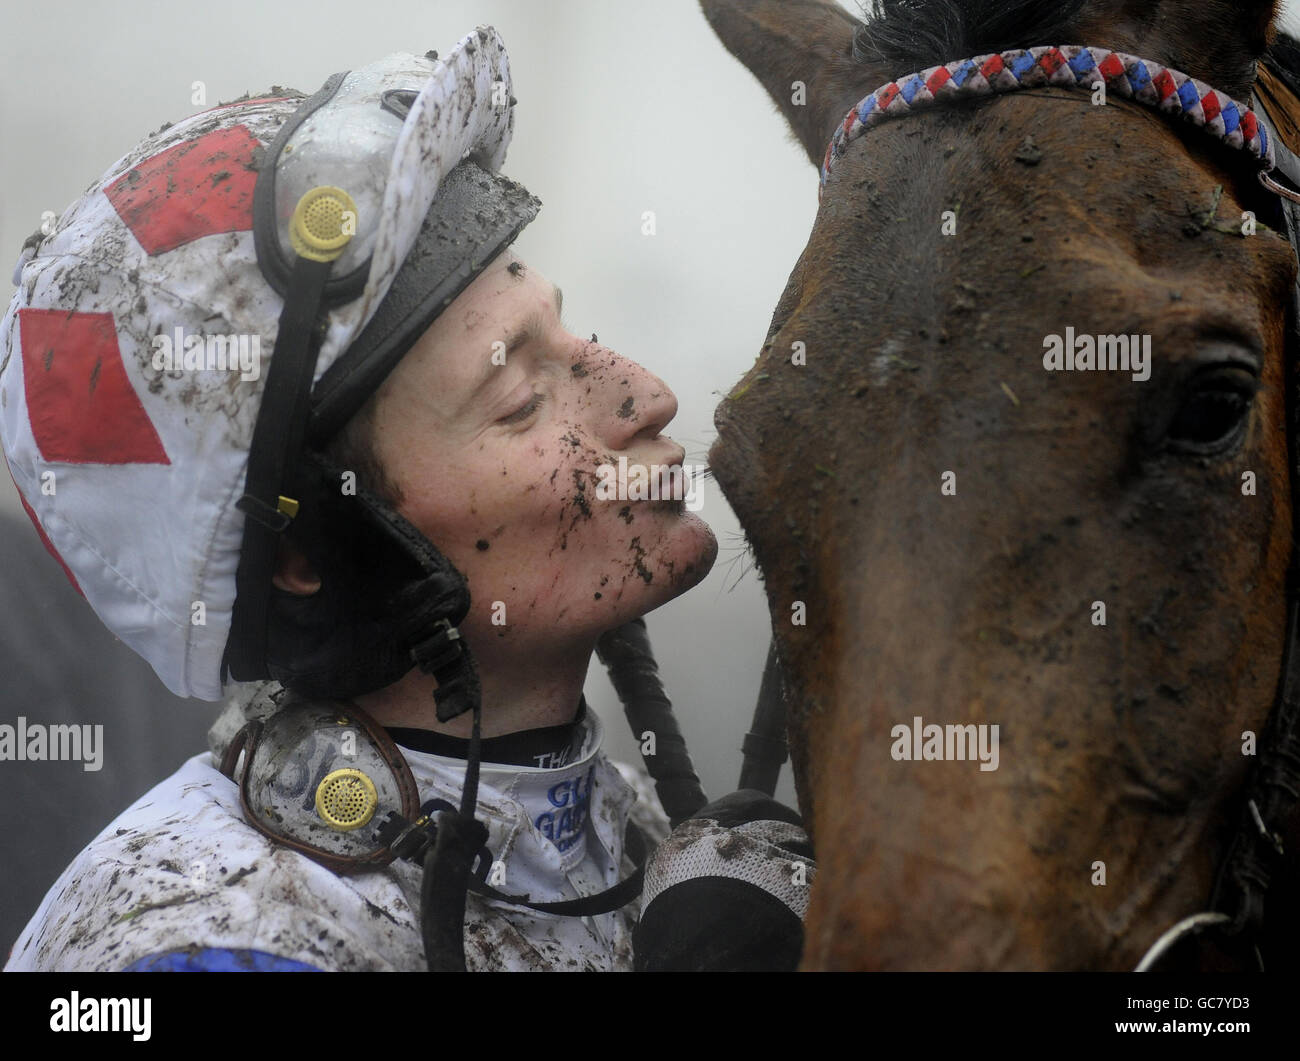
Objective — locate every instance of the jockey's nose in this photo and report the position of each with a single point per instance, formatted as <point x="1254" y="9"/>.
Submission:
<point x="634" y="403"/>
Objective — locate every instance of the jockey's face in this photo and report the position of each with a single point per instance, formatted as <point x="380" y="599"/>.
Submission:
<point x="494" y="427"/>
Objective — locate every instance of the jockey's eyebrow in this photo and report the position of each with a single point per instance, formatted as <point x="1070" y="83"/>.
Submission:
<point x="533" y="326"/>
<point x="516" y="269"/>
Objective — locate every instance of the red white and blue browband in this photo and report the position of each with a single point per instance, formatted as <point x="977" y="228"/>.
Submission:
<point x="1068" y="66"/>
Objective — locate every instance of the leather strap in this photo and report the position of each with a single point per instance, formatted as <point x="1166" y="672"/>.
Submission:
<point x="1255" y="854"/>
<point x="1274" y="98"/>
<point x="248" y="740"/>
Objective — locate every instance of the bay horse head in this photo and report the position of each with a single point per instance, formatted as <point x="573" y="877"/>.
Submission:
<point x="971" y="510"/>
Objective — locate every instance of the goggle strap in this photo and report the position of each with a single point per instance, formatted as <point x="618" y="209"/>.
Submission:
<point x="277" y="444"/>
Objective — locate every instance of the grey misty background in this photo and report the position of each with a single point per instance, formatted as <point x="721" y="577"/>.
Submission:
<point x="622" y="109"/>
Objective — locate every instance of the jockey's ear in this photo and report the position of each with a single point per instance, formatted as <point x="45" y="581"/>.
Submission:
<point x="802" y="53"/>
<point x="1216" y="41"/>
<point x="293" y="571"/>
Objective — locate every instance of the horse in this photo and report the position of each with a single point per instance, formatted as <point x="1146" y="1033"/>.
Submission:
<point x="962" y="531"/>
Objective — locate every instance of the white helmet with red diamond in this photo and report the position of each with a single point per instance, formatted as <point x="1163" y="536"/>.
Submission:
<point x="135" y="354"/>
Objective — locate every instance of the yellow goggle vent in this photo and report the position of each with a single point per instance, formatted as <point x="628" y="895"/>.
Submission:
<point x="322" y="223"/>
<point x="346" y="799"/>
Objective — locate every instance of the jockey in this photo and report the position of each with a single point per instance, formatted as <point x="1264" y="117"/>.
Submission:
<point x="277" y="352"/>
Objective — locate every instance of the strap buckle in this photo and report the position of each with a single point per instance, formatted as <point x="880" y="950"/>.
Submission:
<point x="275" y="519"/>
<point x="439" y="651"/>
<point x="408" y="840"/>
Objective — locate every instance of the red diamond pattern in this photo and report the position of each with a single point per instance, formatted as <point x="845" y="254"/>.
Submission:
<point x="199" y="188"/>
<point x="79" y="400"/>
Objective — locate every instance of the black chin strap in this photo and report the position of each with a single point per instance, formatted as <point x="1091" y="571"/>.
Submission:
<point x="448" y="863"/>
<point x="450" y="845"/>
<point x="457" y="843"/>
<point x="277" y="442"/>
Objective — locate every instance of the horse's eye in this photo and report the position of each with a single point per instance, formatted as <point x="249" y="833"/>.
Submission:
<point x="1214" y="412"/>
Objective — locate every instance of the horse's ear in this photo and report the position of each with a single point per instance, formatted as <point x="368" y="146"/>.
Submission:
<point x="802" y="53"/>
<point x="1217" y="41"/>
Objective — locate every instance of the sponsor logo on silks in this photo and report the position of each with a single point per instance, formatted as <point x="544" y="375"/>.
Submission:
<point x="554" y="760"/>
<point x="564" y="826"/>
<point x="77" y="1014"/>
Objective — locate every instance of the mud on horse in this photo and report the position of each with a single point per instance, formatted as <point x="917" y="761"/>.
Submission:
<point x="1093" y="560"/>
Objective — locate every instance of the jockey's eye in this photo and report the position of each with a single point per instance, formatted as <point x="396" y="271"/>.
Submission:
<point x="1214" y="411"/>
<point x="530" y="406"/>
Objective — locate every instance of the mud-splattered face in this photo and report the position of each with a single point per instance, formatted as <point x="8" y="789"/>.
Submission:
<point x="495" y="427"/>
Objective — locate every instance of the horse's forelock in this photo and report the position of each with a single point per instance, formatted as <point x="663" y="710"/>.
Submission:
<point x="1215" y="40"/>
<point x="906" y="35"/>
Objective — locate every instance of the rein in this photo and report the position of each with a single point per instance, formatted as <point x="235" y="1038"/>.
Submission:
<point x="1255" y="852"/>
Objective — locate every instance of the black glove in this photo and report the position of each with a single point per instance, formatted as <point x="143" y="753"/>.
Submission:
<point x="727" y="891"/>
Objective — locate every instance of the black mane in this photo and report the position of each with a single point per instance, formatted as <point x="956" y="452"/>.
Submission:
<point x="906" y="35"/>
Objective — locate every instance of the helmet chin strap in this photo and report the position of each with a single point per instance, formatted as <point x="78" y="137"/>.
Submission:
<point x="448" y="863"/>
<point x="459" y="838"/>
<point x="319" y="235"/>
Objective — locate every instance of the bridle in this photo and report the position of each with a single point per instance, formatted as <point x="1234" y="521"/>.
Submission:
<point x="1255" y="853"/>
<point x="1142" y="81"/>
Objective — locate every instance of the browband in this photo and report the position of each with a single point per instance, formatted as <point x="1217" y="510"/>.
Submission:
<point x="1143" y="81"/>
